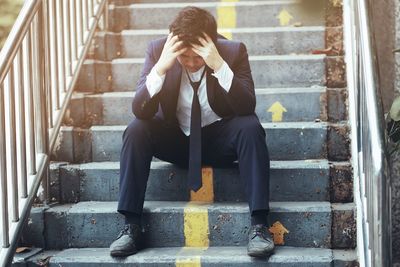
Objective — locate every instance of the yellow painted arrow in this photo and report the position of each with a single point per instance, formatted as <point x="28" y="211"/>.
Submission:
<point x="226" y="17"/>
<point x="277" y="111"/>
<point x="278" y="231"/>
<point x="284" y="17"/>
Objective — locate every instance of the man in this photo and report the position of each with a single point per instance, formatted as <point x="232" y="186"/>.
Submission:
<point x="194" y="105"/>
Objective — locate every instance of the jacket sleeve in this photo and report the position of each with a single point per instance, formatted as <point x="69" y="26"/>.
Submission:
<point x="241" y="95"/>
<point x="143" y="106"/>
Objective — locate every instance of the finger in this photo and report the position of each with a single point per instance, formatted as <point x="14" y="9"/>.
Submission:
<point x="203" y="41"/>
<point x="198" y="51"/>
<point x="172" y="42"/>
<point x="167" y="42"/>
<point x="176" y="46"/>
<point x="180" y="52"/>
<point x="169" y="36"/>
<point x="197" y="46"/>
<point x="175" y="38"/>
<point x="208" y="38"/>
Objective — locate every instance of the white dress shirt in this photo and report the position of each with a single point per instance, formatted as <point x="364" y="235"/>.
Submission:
<point x="224" y="75"/>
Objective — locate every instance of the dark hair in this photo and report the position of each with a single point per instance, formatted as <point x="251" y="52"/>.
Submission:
<point x="191" y="22"/>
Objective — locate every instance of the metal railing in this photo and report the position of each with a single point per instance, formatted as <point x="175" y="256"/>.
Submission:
<point x="39" y="66"/>
<point x="371" y="179"/>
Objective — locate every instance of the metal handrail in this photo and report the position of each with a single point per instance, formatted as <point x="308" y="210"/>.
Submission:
<point x="39" y="66"/>
<point x="372" y="184"/>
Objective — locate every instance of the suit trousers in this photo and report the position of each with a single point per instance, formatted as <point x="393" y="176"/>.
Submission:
<point x="239" y="138"/>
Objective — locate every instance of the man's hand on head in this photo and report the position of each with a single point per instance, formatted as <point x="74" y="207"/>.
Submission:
<point x="172" y="49"/>
<point x="208" y="51"/>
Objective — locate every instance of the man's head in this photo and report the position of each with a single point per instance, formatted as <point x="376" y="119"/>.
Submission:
<point x="189" y="25"/>
<point x="191" y="61"/>
<point x="191" y="22"/>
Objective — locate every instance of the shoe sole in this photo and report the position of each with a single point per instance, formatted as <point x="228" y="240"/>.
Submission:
<point x="260" y="254"/>
<point x="121" y="253"/>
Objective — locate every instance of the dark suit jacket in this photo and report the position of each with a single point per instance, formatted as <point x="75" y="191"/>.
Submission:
<point x="239" y="101"/>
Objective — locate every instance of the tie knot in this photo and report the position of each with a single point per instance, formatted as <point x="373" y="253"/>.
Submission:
<point x="195" y="86"/>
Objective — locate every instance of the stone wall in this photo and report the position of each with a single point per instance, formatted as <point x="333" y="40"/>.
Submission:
<point x="386" y="15"/>
<point x="386" y="26"/>
<point x="395" y="160"/>
<point x="384" y="29"/>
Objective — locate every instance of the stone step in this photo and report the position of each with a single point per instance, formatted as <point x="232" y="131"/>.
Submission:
<point x="259" y="41"/>
<point x="88" y="224"/>
<point x="87" y="109"/>
<point x="210" y="257"/>
<point x="268" y="71"/>
<point x="286" y="141"/>
<point x="242" y="14"/>
<point x="289" y="181"/>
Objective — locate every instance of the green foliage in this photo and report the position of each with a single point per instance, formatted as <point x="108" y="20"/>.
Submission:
<point x="393" y="125"/>
<point x="9" y="10"/>
<point x="395" y="110"/>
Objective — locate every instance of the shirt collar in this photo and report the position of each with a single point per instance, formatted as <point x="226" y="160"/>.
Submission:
<point x="195" y="76"/>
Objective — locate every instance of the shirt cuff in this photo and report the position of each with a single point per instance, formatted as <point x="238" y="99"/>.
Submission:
<point x="224" y="76"/>
<point x="154" y="82"/>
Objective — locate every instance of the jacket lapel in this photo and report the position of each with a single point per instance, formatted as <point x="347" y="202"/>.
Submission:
<point x="211" y="82"/>
<point x="171" y="87"/>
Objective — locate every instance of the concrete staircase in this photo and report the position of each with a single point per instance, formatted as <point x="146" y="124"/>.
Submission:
<point x="301" y="101"/>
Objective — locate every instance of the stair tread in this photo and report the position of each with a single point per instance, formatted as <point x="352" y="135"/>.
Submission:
<point x="233" y="30"/>
<point x="208" y="4"/>
<point x="96" y="224"/>
<point x="275" y="125"/>
<point x="140" y="60"/>
<point x="105" y="207"/>
<point x="282" y="164"/>
<point x="291" y="141"/>
<point x="129" y="2"/>
<point x="259" y="91"/>
<point x="282" y="255"/>
<point x="303" y="180"/>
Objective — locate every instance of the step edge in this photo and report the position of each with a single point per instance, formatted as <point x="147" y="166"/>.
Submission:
<point x="328" y="255"/>
<point x="110" y="207"/>
<point x="204" y="4"/>
<point x="275" y="164"/>
<point x="259" y="91"/>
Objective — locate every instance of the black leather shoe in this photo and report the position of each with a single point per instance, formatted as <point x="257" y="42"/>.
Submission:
<point x="260" y="243"/>
<point x="126" y="242"/>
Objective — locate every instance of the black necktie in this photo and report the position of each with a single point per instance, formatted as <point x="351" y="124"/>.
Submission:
<point x="194" y="181"/>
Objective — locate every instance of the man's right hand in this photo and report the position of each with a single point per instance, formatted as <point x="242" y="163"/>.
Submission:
<point x="172" y="49"/>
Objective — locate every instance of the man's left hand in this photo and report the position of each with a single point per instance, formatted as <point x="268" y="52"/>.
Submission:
<point x="208" y="52"/>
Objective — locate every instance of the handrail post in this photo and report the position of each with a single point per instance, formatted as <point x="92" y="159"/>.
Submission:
<point x="68" y="37"/>
<point x="40" y="94"/>
<point x="105" y="16"/>
<point x="13" y="145"/>
<point x="52" y="22"/>
<point x="21" y="123"/>
<point x="47" y="113"/>
<point x="30" y="100"/>
<point x="3" y="174"/>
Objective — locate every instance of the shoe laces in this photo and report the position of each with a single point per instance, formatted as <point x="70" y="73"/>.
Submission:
<point x="260" y="231"/>
<point x="129" y="229"/>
